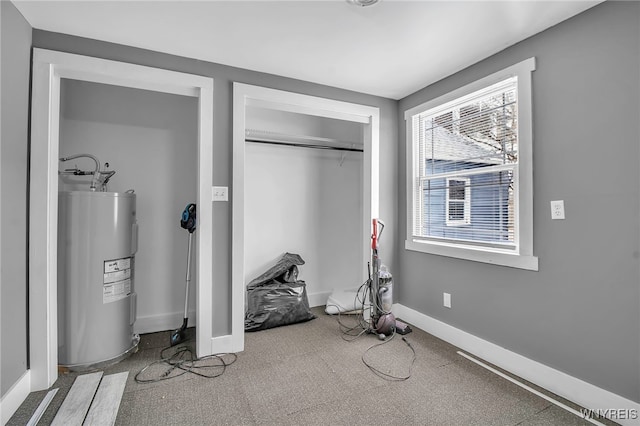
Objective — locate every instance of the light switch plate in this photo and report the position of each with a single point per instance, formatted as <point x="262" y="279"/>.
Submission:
<point x="446" y="300"/>
<point x="220" y="193"/>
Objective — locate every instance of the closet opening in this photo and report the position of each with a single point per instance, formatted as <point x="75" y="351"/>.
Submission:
<point x="305" y="182"/>
<point x="129" y="140"/>
<point x="146" y="144"/>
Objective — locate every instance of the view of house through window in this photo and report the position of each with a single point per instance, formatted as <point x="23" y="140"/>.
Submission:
<point x="458" y="201"/>
<point x="467" y="164"/>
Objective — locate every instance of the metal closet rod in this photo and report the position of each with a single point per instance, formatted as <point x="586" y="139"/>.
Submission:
<point x="303" y="145"/>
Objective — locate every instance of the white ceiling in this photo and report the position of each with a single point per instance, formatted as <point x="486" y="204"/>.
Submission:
<point x="390" y="49"/>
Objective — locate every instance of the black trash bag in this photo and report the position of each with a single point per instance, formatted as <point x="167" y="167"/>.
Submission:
<point x="277" y="304"/>
<point x="285" y="270"/>
<point x="276" y="298"/>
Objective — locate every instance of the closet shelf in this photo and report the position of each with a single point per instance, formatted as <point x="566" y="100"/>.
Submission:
<point x="302" y="141"/>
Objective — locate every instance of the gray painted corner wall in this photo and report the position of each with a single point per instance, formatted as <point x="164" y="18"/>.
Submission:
<point x="580" y="313"/>
<point x="224" y="76"/>
<point x="15" y="62"/>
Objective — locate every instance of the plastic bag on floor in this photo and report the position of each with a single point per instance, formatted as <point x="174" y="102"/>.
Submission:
<point x="276" y="297"/>
<point x="285" y="270"/>
<point x="276" y="304"/>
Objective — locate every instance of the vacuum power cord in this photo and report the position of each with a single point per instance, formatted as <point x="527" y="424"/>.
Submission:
<point x="351" y="333"/>
<point x="381" y="373"/>
<point x="181" y="361"/>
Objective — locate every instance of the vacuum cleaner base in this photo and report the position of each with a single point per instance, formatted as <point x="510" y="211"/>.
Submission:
<point x="402" y="328"/>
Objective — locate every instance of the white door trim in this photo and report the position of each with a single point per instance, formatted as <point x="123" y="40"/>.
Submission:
<point x="247" y="95"/>
<point x="48" y="68"/>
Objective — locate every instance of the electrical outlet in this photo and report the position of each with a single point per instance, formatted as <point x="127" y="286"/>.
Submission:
<point x="446" y="300"/>
<point x="219" y="193"/>
<point x="557" y="209"/>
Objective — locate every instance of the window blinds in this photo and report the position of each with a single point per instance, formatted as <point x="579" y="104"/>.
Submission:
<point x="466" y="166"/>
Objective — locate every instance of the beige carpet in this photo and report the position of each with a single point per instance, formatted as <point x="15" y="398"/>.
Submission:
<point x="307" y="374"/>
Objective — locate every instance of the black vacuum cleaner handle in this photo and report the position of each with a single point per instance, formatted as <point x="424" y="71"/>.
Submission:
<point x="188" y="222"/>
<point x="188" y="219"/>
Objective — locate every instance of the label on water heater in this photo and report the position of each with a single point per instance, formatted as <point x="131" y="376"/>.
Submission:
<point x="117" y="265"/>
<point x="116" y="284"/>
<point x="116" y="291"/>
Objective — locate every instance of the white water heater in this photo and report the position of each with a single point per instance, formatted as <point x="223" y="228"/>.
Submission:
<point x="97" y="242"/>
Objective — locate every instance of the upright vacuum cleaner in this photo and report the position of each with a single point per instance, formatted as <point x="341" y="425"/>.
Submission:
<point x="188" y="222"/>
<point x="382" y="321"/>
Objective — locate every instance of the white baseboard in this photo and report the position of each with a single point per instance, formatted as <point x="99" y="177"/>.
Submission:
<point x="162" y="322"/>
<point x="318" y="299"/>
<point x="15" y="396"/>
<point x="223" y="344"/>
<point x="562" y="384"/>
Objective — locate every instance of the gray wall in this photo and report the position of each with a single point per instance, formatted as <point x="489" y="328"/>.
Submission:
<point x="580" y="313"/>
<point x="224" y="77"/>
<point x="14" y="60"/>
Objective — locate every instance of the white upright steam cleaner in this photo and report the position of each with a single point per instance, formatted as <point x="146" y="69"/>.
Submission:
<point x="188" y="222"/>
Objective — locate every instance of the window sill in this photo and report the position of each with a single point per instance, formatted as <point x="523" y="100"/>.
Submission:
<point x="512" y="260"/>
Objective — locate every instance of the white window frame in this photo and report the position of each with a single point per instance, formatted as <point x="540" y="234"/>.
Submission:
<point x="522" y="255"/>
<point x="466" y="203"/>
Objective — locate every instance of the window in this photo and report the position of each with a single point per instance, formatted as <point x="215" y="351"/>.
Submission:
<point x="469" y="174"/>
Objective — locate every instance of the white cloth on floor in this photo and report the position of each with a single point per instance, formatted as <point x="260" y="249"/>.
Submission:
<point x="343" y="301"/>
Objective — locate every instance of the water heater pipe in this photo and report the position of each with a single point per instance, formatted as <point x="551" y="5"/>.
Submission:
<point x="96" y="173"/>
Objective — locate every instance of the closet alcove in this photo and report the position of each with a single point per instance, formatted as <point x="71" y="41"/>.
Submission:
<point x="49" y="70"/>
<point x="304" y="194"/>
<point x="150" y="140"/>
